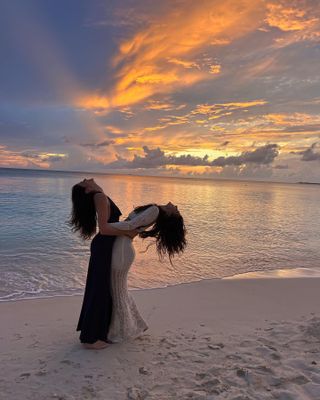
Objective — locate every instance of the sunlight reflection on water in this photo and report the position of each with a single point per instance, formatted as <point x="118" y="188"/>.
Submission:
<point x="233" y="228"/>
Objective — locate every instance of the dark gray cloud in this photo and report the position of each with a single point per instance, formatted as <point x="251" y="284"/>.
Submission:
<point x="262" y="155"/>
<point x="154" y="158"/>
<point x="311" y="154"/>
<point x="303" y="128"/>
<point x="281" y="166"/>
<point x="104" y="143"/>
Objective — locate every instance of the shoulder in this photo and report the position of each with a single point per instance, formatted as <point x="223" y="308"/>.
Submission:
<point x="155" y="210"/>
<point x="99" y="195"/>
<point x="100" y="198"/>
<point x="147" y="209"/>
<point x="152" y="210"/>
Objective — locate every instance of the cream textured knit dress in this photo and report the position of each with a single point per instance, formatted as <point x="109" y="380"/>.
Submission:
<point x="126" y="321"/>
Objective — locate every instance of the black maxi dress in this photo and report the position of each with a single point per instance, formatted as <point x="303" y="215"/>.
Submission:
<point x="95" y="316"/>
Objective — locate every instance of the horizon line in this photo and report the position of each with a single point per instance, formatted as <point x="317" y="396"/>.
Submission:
<point x="158" y="176"/>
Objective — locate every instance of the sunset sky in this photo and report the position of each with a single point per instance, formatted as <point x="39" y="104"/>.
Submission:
<point x="207" y="88"/>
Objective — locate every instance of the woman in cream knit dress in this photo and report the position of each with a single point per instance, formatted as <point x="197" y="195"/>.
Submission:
<point x="126" y="321"/>
<point x="168" y="229"/>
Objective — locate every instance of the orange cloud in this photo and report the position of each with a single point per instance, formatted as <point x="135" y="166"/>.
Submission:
<point x="290" y="16"/>
<point x="293" y="119"/>
<point x="298" y="20"/>
<point x="215" y="111"/>
<point x="28" y="158"/>
<point x="154" y="128"/>
<point x="162" y="105"/>
<point x="206" y="127"/>
<point x="157" y="59"/>
<point x="286" y="129"/>
<point x="8" y="158"/>
<point x="215" y="69"/>
<point x="184" y="63"/>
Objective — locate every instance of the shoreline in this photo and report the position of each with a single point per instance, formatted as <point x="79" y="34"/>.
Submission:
<point x="289" y="273"/>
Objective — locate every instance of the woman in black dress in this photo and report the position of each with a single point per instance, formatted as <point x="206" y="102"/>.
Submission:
<point x="89" y="207"/>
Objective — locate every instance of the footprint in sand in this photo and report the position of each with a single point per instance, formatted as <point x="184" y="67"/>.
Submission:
<point x="233" y="357"/>
<point x="242" y="373"/>
<point x="299" y="380"/>
<point x="264" y="369"/>
<point x="192" y="394"/>
<point x="25" y="375"/>
<point x="144" y="371"/>
<point x="58" y="397"/>
<point x="218" y="346"/>
<point x="285" y="395"/>
<point x="172" y="355"/>
<point x="41" y="373"/>
<point x="144" y="339"/>
<point x="167" y="343"/>
<point x="313" y="329"/>
<point x="134" y="393"/>
<point x="201" y="375"/>
<point x="212" y="386"/>
<point x="89" y="392"/>
<point x="33" y="345"/>
<point x="18" y="336"/>
<point x="275" y="356"/>
<point x="68" y="362"/>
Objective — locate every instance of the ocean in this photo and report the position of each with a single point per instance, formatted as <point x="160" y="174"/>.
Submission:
<point x="234" y="227"/>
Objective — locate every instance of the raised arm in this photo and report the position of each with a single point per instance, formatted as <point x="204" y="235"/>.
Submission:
<point x="139" y="221"/>
<point x="102" y="205"/>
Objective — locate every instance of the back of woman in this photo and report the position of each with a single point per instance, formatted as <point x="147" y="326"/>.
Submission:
<point x="96" y="311"/>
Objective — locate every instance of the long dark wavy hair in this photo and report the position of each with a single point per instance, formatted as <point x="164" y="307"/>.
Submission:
<point x="83" y="217"/>
<point x="168" y="230"/>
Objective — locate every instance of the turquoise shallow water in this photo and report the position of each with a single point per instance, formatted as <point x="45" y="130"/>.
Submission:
<point x="233" y="228"/>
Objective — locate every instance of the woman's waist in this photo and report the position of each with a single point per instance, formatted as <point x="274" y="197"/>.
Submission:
<point x="103" y="238"/>
<point x="126" y="240"/>
<point x="122" y="252"/>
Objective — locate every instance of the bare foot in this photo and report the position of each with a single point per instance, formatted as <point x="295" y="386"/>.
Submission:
<point x="98" y="345"/>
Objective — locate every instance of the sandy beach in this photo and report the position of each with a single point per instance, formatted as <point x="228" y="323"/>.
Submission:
<point x="215" y="339"/>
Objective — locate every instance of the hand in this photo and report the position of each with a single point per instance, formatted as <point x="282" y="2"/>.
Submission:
<point x="132" y="234"/>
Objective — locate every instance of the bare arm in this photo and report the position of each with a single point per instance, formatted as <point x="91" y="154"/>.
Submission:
<point x="102" y="205"/>
<point x="139" y="221"/>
